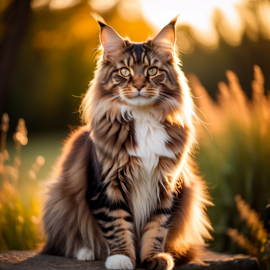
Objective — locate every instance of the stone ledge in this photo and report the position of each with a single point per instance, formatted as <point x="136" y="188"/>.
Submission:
<point x="29" y="260"/>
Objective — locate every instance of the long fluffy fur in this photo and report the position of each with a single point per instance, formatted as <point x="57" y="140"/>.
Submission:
<point x="126" y="183"/>
<point x="67" y="218"/>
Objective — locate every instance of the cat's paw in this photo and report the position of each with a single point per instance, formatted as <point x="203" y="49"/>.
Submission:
<point x="85" y="254"/>
<point x="118" y="262"/>
<point x="161" y="261"/>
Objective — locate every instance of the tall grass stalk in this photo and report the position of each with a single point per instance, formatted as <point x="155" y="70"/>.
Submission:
<point x="257" y="244"/>
<point x="234" y="159"/>
<point x="19" y="211"/>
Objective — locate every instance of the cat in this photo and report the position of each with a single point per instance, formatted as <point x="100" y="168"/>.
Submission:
<point x="125" y="188"/>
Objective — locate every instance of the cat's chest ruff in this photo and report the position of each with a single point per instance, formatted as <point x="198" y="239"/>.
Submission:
<point x="151" y="138"/>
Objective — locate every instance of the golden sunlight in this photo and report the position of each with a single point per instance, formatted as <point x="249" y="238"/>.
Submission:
<point x="264" y="11"/>
<point x="37" y="4"/>
<point x="207" y="21"/>
<point x="60" y="4"/>
<point x="232" y="17"/>
<point x="130" y="10"/>
<point x="102" y="6"/>
<point x="53" y="4"/>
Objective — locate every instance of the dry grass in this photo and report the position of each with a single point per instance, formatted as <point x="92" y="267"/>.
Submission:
<point x="19" y="211"/>
<point x="259" y="246"/>
<point x="234" y="151"/>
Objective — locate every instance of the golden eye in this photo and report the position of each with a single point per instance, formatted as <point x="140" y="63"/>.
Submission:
<point x="125" y="72"/>
<point x="152" y="71"/>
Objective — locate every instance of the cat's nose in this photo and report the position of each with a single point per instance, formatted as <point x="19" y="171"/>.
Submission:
<point x="139" y="86"/>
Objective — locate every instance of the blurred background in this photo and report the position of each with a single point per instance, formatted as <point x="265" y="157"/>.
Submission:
<point x="47" y="58"/>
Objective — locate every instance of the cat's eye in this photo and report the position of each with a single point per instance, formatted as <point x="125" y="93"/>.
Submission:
<point x="152" y="71"/>
<point x="125" y="72"/>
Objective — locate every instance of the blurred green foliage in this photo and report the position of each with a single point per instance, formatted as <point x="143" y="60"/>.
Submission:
<point x="234" y="152"/>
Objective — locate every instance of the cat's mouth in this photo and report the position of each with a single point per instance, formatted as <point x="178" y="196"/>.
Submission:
<point x="139" y="96"/>
<point x="138" y="100"/>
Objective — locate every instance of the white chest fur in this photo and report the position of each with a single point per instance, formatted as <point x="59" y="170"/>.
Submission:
<point x="151" y="138"/>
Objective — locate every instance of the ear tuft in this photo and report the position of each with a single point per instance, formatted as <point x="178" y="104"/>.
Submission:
<point x="98" y="18"/>
<point x="101" y="24"/>
<point x="166" y="37"/>
<point x="173" y="21"/>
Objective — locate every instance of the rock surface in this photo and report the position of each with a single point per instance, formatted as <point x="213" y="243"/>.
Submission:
<point x="29" y="260"/>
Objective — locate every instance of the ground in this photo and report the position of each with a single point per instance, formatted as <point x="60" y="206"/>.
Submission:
<point x="29" y="260"/>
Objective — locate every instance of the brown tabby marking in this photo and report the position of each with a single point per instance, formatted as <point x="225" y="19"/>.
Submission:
<point x="125" y="186"/>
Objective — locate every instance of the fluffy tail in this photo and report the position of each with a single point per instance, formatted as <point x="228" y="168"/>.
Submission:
<point x="190" y="225"/>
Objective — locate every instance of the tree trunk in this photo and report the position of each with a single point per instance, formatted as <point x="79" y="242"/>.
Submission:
<point x="15" y="20"/>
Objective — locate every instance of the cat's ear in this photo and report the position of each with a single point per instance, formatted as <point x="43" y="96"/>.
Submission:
<point x="165" y="39"/>
<point x="112" y="43"/>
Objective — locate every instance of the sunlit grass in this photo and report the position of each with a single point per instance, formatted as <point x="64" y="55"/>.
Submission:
<point x="234" y="151"/>
<point x="257" y="244"/>
<point x="19" y="207"/>
<point x="19" y="222"/>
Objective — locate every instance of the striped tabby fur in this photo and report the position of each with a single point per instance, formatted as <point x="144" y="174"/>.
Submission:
<point x="125" y="186"/>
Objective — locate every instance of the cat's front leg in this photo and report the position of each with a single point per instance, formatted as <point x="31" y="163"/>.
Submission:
<point x="114" y="218"/>
<point x="154" y="237"/>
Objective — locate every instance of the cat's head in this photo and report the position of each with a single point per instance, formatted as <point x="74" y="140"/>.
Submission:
<point x="139" y="74"/>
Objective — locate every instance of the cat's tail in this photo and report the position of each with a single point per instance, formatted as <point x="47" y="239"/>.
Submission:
<point x="195" y="254"/>
<point x="190" y="226"/>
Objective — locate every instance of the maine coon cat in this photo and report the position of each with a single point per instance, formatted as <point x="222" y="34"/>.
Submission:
<point x="125" y="187"/>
